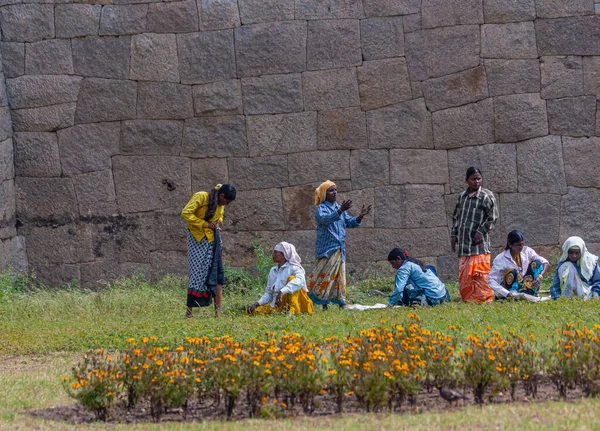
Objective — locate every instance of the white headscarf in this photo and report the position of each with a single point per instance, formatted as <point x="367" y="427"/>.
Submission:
<point x="587" y="261"/>
<point x="289" y="252"/>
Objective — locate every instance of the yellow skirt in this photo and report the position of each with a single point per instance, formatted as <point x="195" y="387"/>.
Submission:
<point x="293" y="303"/>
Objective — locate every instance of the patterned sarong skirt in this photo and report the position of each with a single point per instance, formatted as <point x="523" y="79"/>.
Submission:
<point x="200" y="258"/>
<point x="327" y="283"/>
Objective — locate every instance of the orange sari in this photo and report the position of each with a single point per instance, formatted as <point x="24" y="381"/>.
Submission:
<point x="473" y="273"/>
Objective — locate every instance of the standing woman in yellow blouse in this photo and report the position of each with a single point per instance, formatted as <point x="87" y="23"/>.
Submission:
<point x="204" y="217"/>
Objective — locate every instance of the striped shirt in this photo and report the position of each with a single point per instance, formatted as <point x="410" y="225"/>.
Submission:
<point x="474" y="214"/>
<point x="331" y="230"/>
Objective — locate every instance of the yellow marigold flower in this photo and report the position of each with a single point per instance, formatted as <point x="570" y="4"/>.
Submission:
<point x="145" y="366"/>
<point x="130" y="340"/>
<point x="153" y="338"/>
<point x="179" y="348"/>
<point x="145" y="340"/>
<point x="350" y="392"/>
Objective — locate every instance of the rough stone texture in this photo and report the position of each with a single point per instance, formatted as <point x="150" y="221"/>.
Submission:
<point x="557" y="8"/>
<point x="95" y="193"/>
<point x="404" y="125"/>
<point x="6" y="128"/>
<point x="359" y="198"/>
<point x="255" y="11"/>
<point x="258" y="172"/>
<point x="49" y="199"/>
<point x="441" y="51"/>
<point x="206" y="57"/>
<point x="382" y="37"/>
<point x="369" y="168"/>
<point x="591" y="75"/>
<point x="70" y="243"/>
<point x="12" y="254"/>
<point x="333" y="44"/>
<point x="537" y="215"/>
<point x="512" y="76"/>
<point x="272" y="94"/>
<point x="170" y="231"/>
<point x="146" y="137"/>
<point x="8" y="210"/>
<point x="217" y="98"/>
<point x="281" y="134"/>
<point x="441" y="13"/>
<point x="403" y="206"/>
<point x="342" y="129"/>
<point x="505" y="11"/>
<point x="256" y="210"/>
<point x="572" y="116"/>
<point x="123" y="19"/>
<point x="27" y="22"/>
<point x="49" y="57"/>
<point x="102" y="57"/>
<point x="328" y="9"/>
<point x="7" y="165"/>
<point x="512" y="40"/>
<point x="36" y="155"/>
<point x="164" y="100"/>
<point x="575" y="203"/>
<point x="561" y="77"/>
<point x="412" y="22"/>
<point x="106" y="100"/>
<point x="299" y="206"/>
<point x="215" y="137"/>
<point x="418" y="167"/>
<point x="154" y="57"/>
<point x="42" y="90"/>
<point x="172" y="17"/>
<point x="471" y="124"/>
<point x="43" y="119"/>
<point x="208" y="172"/>
<point x="581" y="168"/>
<point x="383" y="82"/>
<point x="457" y="89"/>
<point x="329" y="89"/>
<point x="13" y="58"/>
<point x="218" y="14"/>
<point x="583" y="33"/>
<point x="307" y="169"/>
<point x="520" y="117"/>
<point x="391" y="7"/>
<point x="540" y="166"/>
<point x="76" y="20"/>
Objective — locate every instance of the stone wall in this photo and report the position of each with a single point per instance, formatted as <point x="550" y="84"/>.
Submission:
<point x="122" y="108"/>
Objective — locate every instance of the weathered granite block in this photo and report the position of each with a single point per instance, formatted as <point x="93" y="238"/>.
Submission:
<point x="103" y="57"/>
<point x="101" y="272"/>
<point x="32" y="91"/>
<point x="170" y="231"/>
<point x="206" y="173"/>
<point x="96" y="193"/>
<point x="441" y="51"/>
<point x="36" y="155"/>
<point x="583" y="33"/>
<point x="591" y="75"/>
<point x="369" y="168"/>
<point x="412" y="22"/>
<point x="49" y="57"/>
<point x="7" y="164"/>
<point x="561" y="77"/>
<point x="164" y="100"/>
<point x="57" y="274"/>
<point x="218" y="14"/>
<point x="256" y="210"/>
<point x="581" y="165"/>
<point x="215" y="137"/>
<point x="6" y="126"/>
<point x="580" y="201"/>
<point x="418" y="167"/>
<point x="168" y="262"/>
<point x="8" y="209"/>
<point x="403" y="125"/>
<point x="218" y="98"/>
<point x="536" y="215"/>
<point x="272" y="94"/>
<point x="456" y="89"/>
<point x="147" y="137"/>
<point x="391" y="7"/>
<point x="206" y="57"/>
<point x="540" y="166"/>
<point x="254" y="11"/>
<point x="12" y="253"/>
<point x="3" y="92"/>
<point x="43" y="119"/>
<point x="572" y="116"/>
<point x="505" y="11"/>
<point x="281" y="134"/>
<point x="382" y="37"/>
<point x="299" y="206"/>
<point x="88" y="147"/>
<point x="173" y="17"/>
<point x="383" y="82"/>
<point x="154" y="57"/>
<point x="76" y="20"/>
<point x="557" y="8"/>
<point x="49" y="199"/>
<point x="328" y="9"/>
<point x="106" y="100"/>
<point x="123" y="19"/>
<point x="146" y="183"/>
<point x="333" y="44"/>
<point x="70" y="243"/>
<point x="512" y="40"/>
<point x="270" y="48"/>
<point x="27" y="22"/>
<point x="328" y="89"/>
<point x="471" y="124"/>
<point x="520" y="117"/>
<point x="258" y="172"/>
<point x="403" y="206"/>
<point x="13" y="58"/>
<point x="342" y="129"/>
<point x="441" y="13"/>
<point x="513" y="76"/>
<point x="305" y="168"/>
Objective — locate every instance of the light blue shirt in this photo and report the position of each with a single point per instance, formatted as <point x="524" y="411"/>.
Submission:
<point x="331" y="230"/>
<point x="427" y="282"/>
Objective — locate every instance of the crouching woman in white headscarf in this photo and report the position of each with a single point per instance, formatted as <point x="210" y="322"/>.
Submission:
<point x="577" y="273"/>
<point x="286" y="287"/>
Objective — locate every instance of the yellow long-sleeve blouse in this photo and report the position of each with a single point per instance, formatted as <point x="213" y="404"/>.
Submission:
<point x="193" y="213"/>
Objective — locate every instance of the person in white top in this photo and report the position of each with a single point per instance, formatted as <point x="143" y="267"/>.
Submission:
<point x="518" y="270"/>
<point x="286" y="286"/>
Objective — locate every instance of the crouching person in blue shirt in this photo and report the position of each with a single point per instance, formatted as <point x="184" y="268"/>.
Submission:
<point x="416" y="284"/>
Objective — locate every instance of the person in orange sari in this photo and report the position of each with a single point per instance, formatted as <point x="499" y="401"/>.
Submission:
<point x="474" y="217"/>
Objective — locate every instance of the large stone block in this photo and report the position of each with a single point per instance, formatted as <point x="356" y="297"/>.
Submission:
<point x="170" y="231"/>
<point x="442" y="13"/>
<point x="306" y="168"/>
<point x="410" y="206"/>
<point x="383" y="82"/>
<point x="333" y="44"/>
<point x="172" y="17"/>
<point x="100" y="273"/>
<point x="512" y="40"/>
<point x="106" y="100"/>
<point x="369" y="168"/>
<point x="218" y="14"/>
<point x="572" y="116"/>
<point x="27" y="22"/>
<point x="8" y="209"/>
<point x="359" y="198"/>
<point x="254" y="11"/>
<point x="215" y="137"/>
<point x="76" y="20"/>
<point x="146" y="183"/>
<point x="206" y="57"/>
<point x="6" y="126"/>
<point x="418" y="167"/>
<point x="272" y="94"/>
<point x="505" y="11"/>
<point x="540" y="166"/>
<point x="88" y="147"/>
<point x="536" y="215"/>
<point x="12" y="254"/>
<point x="36" y="155"/>
<point x="218" y="98"/>
<point x="574" y="205"/>
<point x="498" y="163"/>
<point x="70" y="243"/>
<point x="382" y="37"/>
<point x="471" y="124"/>
<point x="342" y="129"/>
<point x="328" y="89"/>
<point x="441" y="51"/>
<point x="239" y="246"/>
<point x="95" y="193"/>
<point x="519" y="117"/>
<point x="591" y="75"/>
<point x="456" y="89"/>
<point x="270" y="48"/>
<point x="147" y="137"/>
<point x="557" y="8"/>
<point x="281" y="134"/>
<point x="154" y="57"/>
<point x="168" y="263"/>
<point x="328" y="9"/>
<point x="299" y="206"/>
<point x="561" y="77"/>
<point x="391" y="7"/>
<point x="581" y="168"/>
<point x="258" y="172"/>
<point x="164" y="100"/>
<point x="43" y="119"/>
<point x="13" y="59"/>
<point x="49" y="57"/>
<point x="123" y="19"/>
<point x="513" y="76"/>
<point x="412" y="22"/>
<point x="583" y="32"/>
<point x="57" y="274"/>
<point x="404" y="125"/>
<point x="256" y="210"/>
<point x="47" y="199"/>
<point x="31" y="91"/>
<point x="206" y="173"/>
<point x="7" y="165"/>
<point x="102" y="57"/>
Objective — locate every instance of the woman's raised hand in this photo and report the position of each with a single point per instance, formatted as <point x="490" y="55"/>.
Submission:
<point x="364" y="211"/>
<point x="346" y="205"/>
